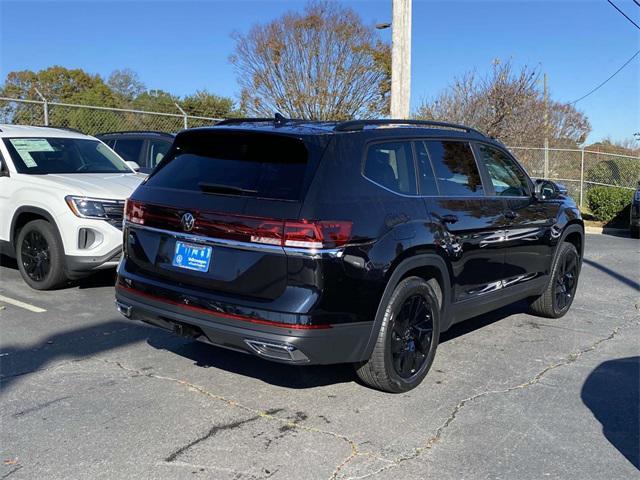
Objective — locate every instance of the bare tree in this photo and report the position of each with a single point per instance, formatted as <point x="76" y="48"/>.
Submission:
<point x="321" y="64"/>
<point x="508" y="105"/>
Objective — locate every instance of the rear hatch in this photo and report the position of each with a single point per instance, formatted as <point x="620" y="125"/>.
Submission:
<point x="212" y="215"/>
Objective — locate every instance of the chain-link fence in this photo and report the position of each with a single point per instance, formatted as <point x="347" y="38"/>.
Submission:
<point x="580" y="170"/>
<point x="93" y="119"/>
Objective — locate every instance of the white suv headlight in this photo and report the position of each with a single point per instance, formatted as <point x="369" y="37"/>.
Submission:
<point x="91" y="207"/>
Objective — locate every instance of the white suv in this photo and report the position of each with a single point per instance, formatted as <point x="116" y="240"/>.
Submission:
<point x="62" y="196"/>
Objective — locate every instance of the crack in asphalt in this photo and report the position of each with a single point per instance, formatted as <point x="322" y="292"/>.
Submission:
<point x="433" y="440"/>
<point x="212" y="431"/>
<point x="259" y="414"/>
<point x="11" y="472"/>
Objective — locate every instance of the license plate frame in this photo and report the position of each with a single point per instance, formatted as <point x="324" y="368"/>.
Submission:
<point x="192" y="256"/>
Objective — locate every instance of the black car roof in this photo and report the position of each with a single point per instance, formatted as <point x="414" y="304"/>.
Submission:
<point x="133" y="133"/>
<point x="384" y="128"/>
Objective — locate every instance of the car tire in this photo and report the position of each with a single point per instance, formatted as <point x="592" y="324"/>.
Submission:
<point x="403" y="354"/>
<point x="560" y="292"/>
<point x="40" y="255"/>
<point x="635" y="232"/>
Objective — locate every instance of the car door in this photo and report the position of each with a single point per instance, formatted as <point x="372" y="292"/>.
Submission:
<point x="6" y="191"/>
<point x="529" y="227"/>
<point x="470" y="223"/>
<point x="130" y="149"/>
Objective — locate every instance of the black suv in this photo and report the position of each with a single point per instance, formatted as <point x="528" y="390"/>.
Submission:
<point x="146" y="148"/>
<point x="359" y="242"/>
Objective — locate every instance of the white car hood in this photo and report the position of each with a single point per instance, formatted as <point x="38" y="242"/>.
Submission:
<point x="117" y="186"/>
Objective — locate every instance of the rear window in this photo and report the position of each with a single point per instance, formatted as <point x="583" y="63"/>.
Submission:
<point x="390" y="164"/>
<point x="234" y="163"/>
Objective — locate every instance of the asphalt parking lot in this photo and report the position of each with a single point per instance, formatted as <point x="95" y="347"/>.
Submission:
<point x="88" y="394"/>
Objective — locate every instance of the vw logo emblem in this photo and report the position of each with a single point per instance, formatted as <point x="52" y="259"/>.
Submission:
<point x="187" y="222"/>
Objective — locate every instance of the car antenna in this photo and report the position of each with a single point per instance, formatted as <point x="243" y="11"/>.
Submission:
<point x="279" y="119"/>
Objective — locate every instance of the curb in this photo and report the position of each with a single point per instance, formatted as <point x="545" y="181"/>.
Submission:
<point x="605" y="230"/>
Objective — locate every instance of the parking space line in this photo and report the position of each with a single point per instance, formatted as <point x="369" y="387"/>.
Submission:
<point x="18" y="303"/>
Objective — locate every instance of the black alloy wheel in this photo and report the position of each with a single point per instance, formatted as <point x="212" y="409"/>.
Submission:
<point x="411" y="336"/>
<point x="35" y="256"/>
<point x="407" y="338"/>
<point x="566" y="281"/>
<point x="40" y="255"/>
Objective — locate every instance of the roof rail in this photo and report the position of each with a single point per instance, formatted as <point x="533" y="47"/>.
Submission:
<point x="355" y="125"/>
<point x="232" y="121"/>
<point x="126" y="132"/>
<point x="68" y="129"/>
<point x="278" y="119"/>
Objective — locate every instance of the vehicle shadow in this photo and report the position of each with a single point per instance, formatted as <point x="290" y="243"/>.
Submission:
<point x="621" y="278"/>
<point x="101" y="278"/>
<point x="612" y="393"/>
<point x="279" y="374"/>
<point x="8" y="262"/>
<point x="299" y="377"/>
<point x="17" y="361"/>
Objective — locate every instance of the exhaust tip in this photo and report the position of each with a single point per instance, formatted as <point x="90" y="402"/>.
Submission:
<point x="124" y="309"/>
<point x="277" y="351"/>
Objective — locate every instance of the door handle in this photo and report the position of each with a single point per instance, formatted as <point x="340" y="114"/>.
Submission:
<point x="510" y="214"/>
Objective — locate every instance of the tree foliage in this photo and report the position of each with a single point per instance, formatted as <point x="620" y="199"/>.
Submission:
<point x="123" y="89"/>
<point x="126" y="84"/>
<point x="321" y="64"/>
<point x="508" y="104"/>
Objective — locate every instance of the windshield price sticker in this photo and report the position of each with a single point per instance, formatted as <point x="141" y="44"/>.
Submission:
<point x="24" y="147"/>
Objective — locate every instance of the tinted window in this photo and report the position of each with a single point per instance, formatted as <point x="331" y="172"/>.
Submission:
<point x="157" y="150"/>
<point x="506" y="177"/>
<point x="390" y="164"/>
<point x="129" y="149"/>
<point x="63" y="155"/>
<point x="268" y="166"/>
<point x="455" y="168"/>
<point x="425" y="172"/>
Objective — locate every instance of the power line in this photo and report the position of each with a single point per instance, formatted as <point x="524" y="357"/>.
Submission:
<point x="624" y="14"/>
<point x="636" y="2"/>
<point x="613" y="75"/>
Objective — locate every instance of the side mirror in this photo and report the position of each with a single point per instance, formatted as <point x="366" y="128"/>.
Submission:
<point x="547" y="190"/>
<point x="133" y="165"/>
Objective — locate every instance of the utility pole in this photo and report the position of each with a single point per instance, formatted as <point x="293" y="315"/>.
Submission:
<point x="401" y="59"/>
<point x="546" y="128"/>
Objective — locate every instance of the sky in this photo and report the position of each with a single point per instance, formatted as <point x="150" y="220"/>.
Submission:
<point x="184" y="46"/>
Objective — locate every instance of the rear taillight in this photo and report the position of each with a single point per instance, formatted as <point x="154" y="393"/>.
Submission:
<point x="133" y="212"/>
<point x="321" y="234"/>
<point x="305" y="234"/>
<point x="269" y="233"/>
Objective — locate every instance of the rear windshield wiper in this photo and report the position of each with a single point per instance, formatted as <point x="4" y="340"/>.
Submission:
<point x="228" y="189"/>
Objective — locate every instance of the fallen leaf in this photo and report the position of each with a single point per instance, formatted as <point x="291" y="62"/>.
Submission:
<point x="11" y="461"/>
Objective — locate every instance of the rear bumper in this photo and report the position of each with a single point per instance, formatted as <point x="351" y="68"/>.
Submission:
<point x="331" y="344"/>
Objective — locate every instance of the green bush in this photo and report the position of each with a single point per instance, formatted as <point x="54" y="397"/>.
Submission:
<point x="607" y="203"/>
